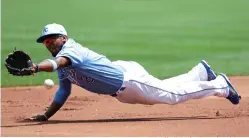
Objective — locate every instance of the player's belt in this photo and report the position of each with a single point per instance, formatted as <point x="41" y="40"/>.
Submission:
<point x="120" y="90"/>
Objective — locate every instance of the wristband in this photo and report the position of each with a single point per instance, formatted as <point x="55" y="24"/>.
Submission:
<point x="37" y="68"/>
<point x="55" y="66"/>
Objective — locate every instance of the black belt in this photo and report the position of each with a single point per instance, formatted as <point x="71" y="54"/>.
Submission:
<point x="115" y="94"/>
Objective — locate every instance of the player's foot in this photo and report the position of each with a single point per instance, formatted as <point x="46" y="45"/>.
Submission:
<point x="210" y="72"/>
<point x="233" y="96"/>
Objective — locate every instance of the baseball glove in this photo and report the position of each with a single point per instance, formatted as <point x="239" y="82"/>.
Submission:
<point x="19" y="63"/>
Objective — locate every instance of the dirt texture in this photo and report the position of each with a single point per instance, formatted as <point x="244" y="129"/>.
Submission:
<point x="88" y="114"/>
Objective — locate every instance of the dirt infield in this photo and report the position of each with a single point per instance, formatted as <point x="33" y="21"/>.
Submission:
<point x="87" y="114"/>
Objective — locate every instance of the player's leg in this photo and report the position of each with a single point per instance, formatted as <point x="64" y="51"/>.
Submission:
<point x="139" y="91"/>
<point x="145" y="89"/>
<point x="201" y="72"/>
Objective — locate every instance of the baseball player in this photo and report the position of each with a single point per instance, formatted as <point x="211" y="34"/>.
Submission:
<point x="127" y="81"/>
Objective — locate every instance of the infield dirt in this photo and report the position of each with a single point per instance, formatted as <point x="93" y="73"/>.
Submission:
<point x="88" y="114"/>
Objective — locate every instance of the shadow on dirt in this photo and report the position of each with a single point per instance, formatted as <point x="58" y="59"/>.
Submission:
<point x="29" y="123"/>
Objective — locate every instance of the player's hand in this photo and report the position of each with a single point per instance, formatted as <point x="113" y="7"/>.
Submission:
<point x="35" y="68"/>
<point x="38" y="118"/>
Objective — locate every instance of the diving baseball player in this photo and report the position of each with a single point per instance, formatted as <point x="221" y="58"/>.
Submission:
<point x="127" y="81"/>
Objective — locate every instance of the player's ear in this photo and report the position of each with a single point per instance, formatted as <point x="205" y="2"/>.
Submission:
<point x="64" y="38"/>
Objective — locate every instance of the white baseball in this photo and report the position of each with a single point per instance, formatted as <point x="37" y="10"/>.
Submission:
<point x="48" y="83"/>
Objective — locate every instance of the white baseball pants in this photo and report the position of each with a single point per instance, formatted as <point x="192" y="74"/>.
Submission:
<point x="143" y="88"/>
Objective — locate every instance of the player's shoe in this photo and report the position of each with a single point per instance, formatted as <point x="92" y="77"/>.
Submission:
<point x="210" y="72"/>
<point x="233" y="96"/>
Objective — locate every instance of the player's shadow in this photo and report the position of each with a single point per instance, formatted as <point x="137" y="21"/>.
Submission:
<point x="29" y="123"/>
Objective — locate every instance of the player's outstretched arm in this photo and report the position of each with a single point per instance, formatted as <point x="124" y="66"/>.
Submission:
<point x="60" y="98"/>
<point x="50" y="65"/>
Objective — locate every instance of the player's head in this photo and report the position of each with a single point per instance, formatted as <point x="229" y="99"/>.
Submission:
<point x="53" y="37"/>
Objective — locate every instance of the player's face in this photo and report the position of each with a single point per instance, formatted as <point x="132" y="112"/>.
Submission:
<point x="54" y="43"/>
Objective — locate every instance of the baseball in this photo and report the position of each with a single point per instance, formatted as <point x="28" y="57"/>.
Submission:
<point x="48" y="83"/>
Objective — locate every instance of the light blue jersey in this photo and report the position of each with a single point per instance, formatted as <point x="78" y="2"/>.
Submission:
<point x="89" y="70"/>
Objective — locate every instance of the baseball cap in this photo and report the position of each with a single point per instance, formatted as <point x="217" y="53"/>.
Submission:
<point x="51" y="29"/>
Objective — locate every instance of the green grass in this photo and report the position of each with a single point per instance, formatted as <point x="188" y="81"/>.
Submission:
<point x="168" y="37"/>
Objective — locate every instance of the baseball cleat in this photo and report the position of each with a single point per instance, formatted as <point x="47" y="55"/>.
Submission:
<point x="210" y="72"/>
<point x="233" y="96"/>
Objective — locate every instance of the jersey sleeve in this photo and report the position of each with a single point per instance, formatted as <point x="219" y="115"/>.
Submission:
<point x="63" y="92"/>
<point x="73" y="53"/>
